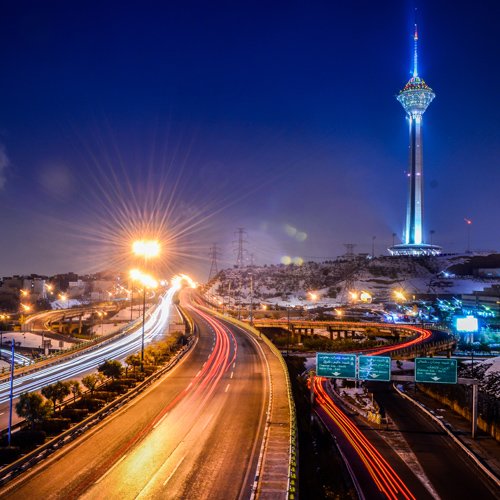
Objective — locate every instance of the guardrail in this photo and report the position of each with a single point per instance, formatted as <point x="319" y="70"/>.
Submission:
<point x="11" y="471"/>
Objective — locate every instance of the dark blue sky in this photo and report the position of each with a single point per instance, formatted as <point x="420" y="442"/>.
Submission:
<point x="272" y="116"/>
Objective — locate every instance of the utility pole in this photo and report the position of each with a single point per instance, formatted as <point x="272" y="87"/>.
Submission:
<point x="349" y="250"/>
<point x="373" y="246"/>
<point x="468" y="223"/>
<point x="214" y="255"/>
<point x="240" y="250"/>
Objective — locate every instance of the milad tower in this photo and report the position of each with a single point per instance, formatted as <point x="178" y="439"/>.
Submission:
<point x="415" y="98"/>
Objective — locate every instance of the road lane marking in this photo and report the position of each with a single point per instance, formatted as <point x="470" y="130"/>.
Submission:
<point x="2" y="413"/>
<point x="161" y="420"/>
<point x="227" y="387"/>
<point x="111" y="469"/>
<point x="234" y="364"/>
<point x="207" y="422"/>
<point x="197" y="375"/>
<point x="232" y="373"/>
<point x="174" y="471"/>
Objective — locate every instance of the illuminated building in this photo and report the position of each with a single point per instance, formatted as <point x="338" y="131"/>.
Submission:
<point x="415" y="98"/>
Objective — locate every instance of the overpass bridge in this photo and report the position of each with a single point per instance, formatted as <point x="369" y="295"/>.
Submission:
<point x="415" y="340"/>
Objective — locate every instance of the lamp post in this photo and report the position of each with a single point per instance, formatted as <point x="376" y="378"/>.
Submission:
<point x="147" y="282"/>
<point x="147" y="249"/>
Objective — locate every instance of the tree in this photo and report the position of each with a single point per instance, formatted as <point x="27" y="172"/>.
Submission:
<point x="75" y="388"/>
<point x="90" y="382"/>
<point x="32" y="407"/>
<point x="134" y="361"/>
<point x="56" y="392"/>
<point x="112" y="369"/>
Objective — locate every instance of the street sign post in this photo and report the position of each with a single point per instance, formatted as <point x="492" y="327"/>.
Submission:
<point x="335" y="365"/>
<point x="436" y="370"/>
<point x="374" y="368"/>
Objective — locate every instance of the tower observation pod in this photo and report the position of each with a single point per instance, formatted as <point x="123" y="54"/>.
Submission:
<point x="415" y="98"/>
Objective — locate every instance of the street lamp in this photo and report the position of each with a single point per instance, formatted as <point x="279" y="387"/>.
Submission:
<point x="146" y="281"/>
<point x="146" y="248"/>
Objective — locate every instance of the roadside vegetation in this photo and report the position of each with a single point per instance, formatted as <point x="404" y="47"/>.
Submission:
<point x="60" y="405"/>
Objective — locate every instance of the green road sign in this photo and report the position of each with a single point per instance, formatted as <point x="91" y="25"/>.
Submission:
<point x="374" y="368"/>
<point x="335" y="365"/>
<point x="436" y="370"/>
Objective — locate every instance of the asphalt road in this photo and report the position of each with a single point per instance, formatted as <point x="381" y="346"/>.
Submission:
<point x="450" y="473"/>
<point x="194" y="434"/>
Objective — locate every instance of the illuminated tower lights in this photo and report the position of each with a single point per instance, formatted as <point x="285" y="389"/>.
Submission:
<point x="415" y="98"/>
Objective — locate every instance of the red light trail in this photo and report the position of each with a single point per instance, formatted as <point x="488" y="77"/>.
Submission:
<point x="385" y="478"/>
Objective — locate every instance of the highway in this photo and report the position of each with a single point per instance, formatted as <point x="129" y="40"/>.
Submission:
<point x="446" y="467"/>
<point x="196" y="433"/>
<point x="88" y="361"/>
<point x="428" y="465"/>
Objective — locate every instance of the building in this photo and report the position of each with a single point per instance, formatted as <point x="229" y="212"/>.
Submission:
<point x="415" y="98"/>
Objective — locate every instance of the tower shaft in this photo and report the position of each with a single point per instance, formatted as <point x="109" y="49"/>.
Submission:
<point x="414" y="212"/>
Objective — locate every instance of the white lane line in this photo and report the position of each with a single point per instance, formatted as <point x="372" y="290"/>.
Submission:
<point x="161" y="420"/>
<point x="111" y="469"/>
<point x="227" y="387"/>
<point x="198" y="374"/>
<point x="2" y="413"/>
<point x="204" y="364"/>
<point x="207" y="422"/>
<point x="234" y="364"/>
<point x="174" y="471"/>
<point x="232" y="373"/>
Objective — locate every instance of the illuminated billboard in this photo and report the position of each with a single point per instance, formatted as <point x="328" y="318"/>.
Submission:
<point x="468" y="324"/>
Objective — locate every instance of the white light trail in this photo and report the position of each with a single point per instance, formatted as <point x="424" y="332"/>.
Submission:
<point x="119" y="348"/>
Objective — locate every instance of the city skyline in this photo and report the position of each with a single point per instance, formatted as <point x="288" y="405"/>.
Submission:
<point x="199" y="120"/>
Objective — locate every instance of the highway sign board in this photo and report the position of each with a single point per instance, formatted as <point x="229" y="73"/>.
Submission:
<point x="335" y="365"/>
<point x="374" y="368"/>
<point x="436" y="370"/>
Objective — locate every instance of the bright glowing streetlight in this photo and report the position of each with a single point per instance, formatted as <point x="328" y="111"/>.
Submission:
<point x="399" y="296"/>
<point x="146" y="248"/>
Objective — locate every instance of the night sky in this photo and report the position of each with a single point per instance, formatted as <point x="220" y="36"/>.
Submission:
<point x="188" y="120"/>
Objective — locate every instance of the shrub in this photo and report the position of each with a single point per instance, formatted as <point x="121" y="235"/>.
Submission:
<point x="8" y="454"/>
<point x="75" y="414"/>
<point x="92" y="404"/>
<point x="27" y="440"/>
<point x="116" y="386"/>
<point x="55" y="425"/>
<point x="104" y="395"/>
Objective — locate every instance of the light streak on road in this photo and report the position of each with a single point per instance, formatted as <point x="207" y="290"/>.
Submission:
<point x="87" y="361"/>
<point x="19" y="359"/>
<point x="384" y="477"/>
<point x="198" y="392"/>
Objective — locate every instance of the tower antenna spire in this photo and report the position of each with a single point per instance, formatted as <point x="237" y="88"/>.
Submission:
<point x="415" y="52"/>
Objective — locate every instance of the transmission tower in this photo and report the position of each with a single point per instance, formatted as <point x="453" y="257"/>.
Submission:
<point x="349" y="250"/>
<point x="240" y="250"/>
<point x="214" y="255"/>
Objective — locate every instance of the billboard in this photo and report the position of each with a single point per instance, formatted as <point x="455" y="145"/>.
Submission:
<point x="468" y="324"/>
